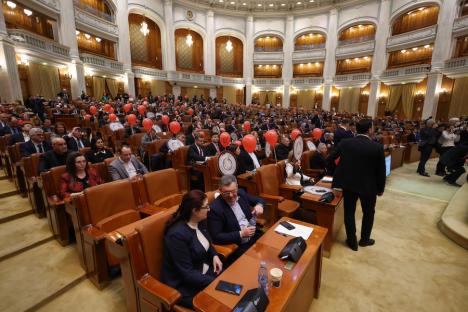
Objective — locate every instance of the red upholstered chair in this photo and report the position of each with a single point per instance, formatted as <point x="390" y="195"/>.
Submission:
<point x="269" y="189"/>
<point x="305" y="162"/>
<point x="179" y="163"/>
<point x="30" y="168"/>
<point x="139" y="248"/>
<point x="162" y="188"/>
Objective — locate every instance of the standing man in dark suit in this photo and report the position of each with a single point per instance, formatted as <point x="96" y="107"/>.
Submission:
<point x="36" y="144"/>
<point x="428" y="140"/>
<point x="343" y="132"/>
<point x="232" y="220"/>
<point x="361" y="175"/>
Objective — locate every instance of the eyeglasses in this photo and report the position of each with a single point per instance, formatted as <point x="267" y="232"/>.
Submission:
<point x="227" y="193"/>
<point x="205" y="207"/>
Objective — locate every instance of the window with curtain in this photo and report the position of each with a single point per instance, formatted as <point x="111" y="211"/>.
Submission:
<point x="458" y="106"/>
<point x="112" y="87"/>
<point x="306" y="99"/>
<point x="349" y="100"/>
<point x="99" y="87"/>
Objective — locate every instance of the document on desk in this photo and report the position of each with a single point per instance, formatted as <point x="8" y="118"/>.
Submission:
<point x="299" y="230"/>
<point x="327" y="179"/>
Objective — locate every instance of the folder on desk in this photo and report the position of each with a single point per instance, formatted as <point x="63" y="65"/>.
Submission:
<point x="299" y="230"/>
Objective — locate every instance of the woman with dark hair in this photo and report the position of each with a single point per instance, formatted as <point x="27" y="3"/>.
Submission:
<point x="98" y="151"/>
<point x="190" y="261"/>
<point x="78" y="176"/>
<point x="59" y="130"/>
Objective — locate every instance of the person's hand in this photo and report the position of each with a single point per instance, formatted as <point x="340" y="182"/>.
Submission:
<point x="217" y="265"/>
<point x="247" y="231"/>
<point x="380" y="194"/>
<point x="258" y="210"/>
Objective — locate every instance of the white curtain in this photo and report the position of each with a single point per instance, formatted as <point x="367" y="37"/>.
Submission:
<point x="158" y="87"/>
<point x="349" y="100"/>
<point x="306" y="99"/>
<point x="458" y="103"/>
<point x="99" y="87"/>
<point x="262" y="97"/>
<point x="44" y="80"/>
<point x="229" y="93"/>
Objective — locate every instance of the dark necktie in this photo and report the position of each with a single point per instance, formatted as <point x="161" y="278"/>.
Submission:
<point x="39" y="148"/>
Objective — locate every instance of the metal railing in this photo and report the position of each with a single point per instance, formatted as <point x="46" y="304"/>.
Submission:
<point x="36" y="42"/>
<point x="304" y="47"/>
<point x="356" y="40"/>
<point x="101" y="61"/>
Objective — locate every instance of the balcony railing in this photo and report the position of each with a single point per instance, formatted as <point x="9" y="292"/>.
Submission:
<point x="408" y="74"/>
<point x="38" y="43"/>
<point x="268" y="57"/>
<point x="99" y="61"/>
<point x="143" y="71"/>
<point x="307" y="82"/>
<point x="257" y="49"/>
<point x="93" y="11"/>
<point x="268" y="82"/>
<point x="309" y="56"/>
<point x="305" y="47"/>
<point x="412" y="38"/>
<point x="460" y="25"/>
<point x="356" y="40"/>
<point x="356" y="49"/>
<point x="457" y="67"/>
<point x="353" y="77"/>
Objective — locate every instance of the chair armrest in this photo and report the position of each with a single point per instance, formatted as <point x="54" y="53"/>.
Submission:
<point x="93" y="234"/>
<point x="159" y="291"/>
<point x="150" y="210"/>
<point x="225" y="250"/>
<point x="288" y="191"/>
<point x="313" y="173"/>
<point x="273" y="198"/>
<point x="54" y="201"/>
<point x="169" y="201"/>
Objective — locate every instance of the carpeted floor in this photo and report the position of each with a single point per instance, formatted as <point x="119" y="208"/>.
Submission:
<point x="412" y="267"/>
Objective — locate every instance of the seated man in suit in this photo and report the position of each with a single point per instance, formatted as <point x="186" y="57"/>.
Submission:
<point x="126" y="166"/>
<point x="247" y="161"/>
<point x="214" y="148"/>
<point x="76" y="141"/>
<point x="231" y="219"/>
<point x="196" y="152"/>
<point x="36" y="144"/>
<point x="55" y="157"/>
<point x="22" y="136"/>
<point x="318" y="160"/>
<point x="282" y="149"/>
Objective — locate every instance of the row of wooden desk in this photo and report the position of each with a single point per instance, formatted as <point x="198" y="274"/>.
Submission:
<point x="299" y="286"/>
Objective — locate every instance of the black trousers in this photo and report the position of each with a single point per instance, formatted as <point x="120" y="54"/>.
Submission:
<point x="441" y="167"/>
<point x="426" y="151"/>
<point x="454" y="173"/>
<point x="368" y="210"/>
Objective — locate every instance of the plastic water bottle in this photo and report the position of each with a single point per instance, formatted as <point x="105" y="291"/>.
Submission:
<point x="253" y="220"/>
<point x="263" y="277"/>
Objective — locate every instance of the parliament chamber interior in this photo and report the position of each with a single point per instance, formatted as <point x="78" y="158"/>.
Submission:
<point x="234" y="155"/>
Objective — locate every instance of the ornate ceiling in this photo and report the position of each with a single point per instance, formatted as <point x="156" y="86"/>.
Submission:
<point x="267" y="5"/>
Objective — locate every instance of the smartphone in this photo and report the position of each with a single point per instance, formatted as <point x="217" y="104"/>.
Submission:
<point x="231" y="288"/>
<point x="287" y="225"/>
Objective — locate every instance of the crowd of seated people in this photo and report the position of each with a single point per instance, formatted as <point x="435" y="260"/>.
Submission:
<point x="190" y="261"/>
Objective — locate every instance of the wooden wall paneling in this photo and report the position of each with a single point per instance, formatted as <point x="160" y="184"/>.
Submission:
<point x="99" y="5"/>
<point x="309" y="39"/>
<point x="354" y="65"/>
<point x="268" y="71"/>
<point x="445" y="98"/>
<point x="64" y="81"/>
<point x="36" y="23"/>
<point x="415" y="19"/>
<point x="89" y="85"/>
<point x="104" y="48"/>
<point x="219" y="93"/>
<point x="461" y="47"/>
<point x="240" y="99"/>
<point x="409" y="57"/>
<point x="168" y="88"/>
<point x="146" y="50"/>
<point x="120" y="87"/>
<point x="308" y="70"/>
<point x="236" y="55"/>
<point x="358" y="31"/>
<point x="335" y="99"/>
<point x="268" y="44"/>
<point x="196" y="51"/>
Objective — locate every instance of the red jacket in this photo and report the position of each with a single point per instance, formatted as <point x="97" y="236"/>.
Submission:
<point x="69" y="185"/>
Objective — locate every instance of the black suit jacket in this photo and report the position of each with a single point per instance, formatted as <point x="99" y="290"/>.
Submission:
<point x="341" y="134"/>
<point x="282" y="151"/>
<point x="317" y="161"/>
<point x="222" y="223"/>
<point x="183" y="260"/>
<point x="29" y="148"/>
<point x="194" y="155"/>
<point x="73" y="145"/>
<point x="50" y="159"/>
<point x="16" y="138"/>
<point x="362" y="166"/>
<point x="245" y="162"/>
<point x="211" y="149"/>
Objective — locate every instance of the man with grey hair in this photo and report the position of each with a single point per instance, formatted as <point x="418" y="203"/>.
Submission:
<point x="231" y="219"/>
<point x="427" y="142"/>
<point x="36" y="144"/>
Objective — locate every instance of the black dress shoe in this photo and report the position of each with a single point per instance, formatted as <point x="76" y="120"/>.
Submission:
<point x="424" y="174"/>
<point x="453" y="183"/>
<point x="352" y="244"/>
<point x="364" y="243"/>
<point x="440" y="174"/>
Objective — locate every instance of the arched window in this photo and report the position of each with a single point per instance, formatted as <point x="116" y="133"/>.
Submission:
<point x="357" y="33"/>
<point x="415" y="19"/>
<point x="268" y="44"/>
<point x="309" y="41"/>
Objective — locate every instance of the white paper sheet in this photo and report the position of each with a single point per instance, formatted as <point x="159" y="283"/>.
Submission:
<point x="327" y="179"/>
<point x="299" y="230"/>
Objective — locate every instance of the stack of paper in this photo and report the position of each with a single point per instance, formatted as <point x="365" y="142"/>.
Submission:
<point x="299" y="230"/>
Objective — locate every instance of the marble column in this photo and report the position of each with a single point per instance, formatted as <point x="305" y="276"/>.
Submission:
<point x="68" y="37"/>
<point x="248" y="59"/>
<point x="169" y="21"/>
<point x="330" y="61"/>
<point x="431" y="99"/>
<point x="287" y="59"/>
<point x="124" y="52"/>
<point x="372" y="105"/>
<point x="9" y="76"/>
<point x="210" y="62"/>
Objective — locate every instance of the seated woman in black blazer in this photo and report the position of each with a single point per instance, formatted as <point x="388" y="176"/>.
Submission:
<point x="190" y="262"/>
<point x="98" y="151"/>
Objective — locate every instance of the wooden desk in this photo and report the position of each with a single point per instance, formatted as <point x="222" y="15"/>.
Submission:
<point x="298" y="286"/>
<point x="397" y="157"/>
<point x="247" y="181"/>
<point x="329" y="215"/>
<point x="411" y="153"/>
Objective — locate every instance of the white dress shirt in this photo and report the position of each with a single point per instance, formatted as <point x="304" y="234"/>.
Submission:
<point x="255" y="160"/>
<point x="203" y="241"/>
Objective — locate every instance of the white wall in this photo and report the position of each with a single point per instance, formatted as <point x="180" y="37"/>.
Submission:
<point x="199" y="17"/>
<point x="368" y="11"/>
<point x="307" y="23"/>
<point x="224" y="22"/>
<point x="273" y="25"/>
